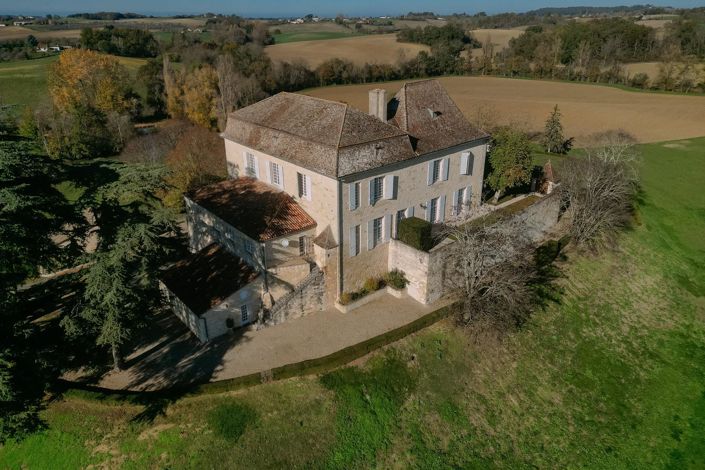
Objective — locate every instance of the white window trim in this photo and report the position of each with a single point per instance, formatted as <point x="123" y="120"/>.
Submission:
<point x="354" y="196"/>
<point x="280" y="171"/>
<point x="374" y="197"/>
<point x="303" y="181"/>
<point x="250" y="171"/>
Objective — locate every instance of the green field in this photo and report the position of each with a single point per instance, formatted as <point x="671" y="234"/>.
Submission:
<point x="309" y="36"/>
<point x="613" y="376"/>
<point x="24" y="82"/>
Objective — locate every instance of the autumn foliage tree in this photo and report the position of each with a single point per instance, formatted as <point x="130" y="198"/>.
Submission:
<point x="93" y="104"/>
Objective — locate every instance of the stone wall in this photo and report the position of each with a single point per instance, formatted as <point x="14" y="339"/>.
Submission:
<point x="308" y="297"/>
<point x="426" y="271"/>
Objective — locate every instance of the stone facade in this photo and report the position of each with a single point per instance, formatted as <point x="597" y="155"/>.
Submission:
<point x="239" y="309"/>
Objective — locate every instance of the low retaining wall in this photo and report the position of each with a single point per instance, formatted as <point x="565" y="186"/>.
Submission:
<point x="319" y="365"/>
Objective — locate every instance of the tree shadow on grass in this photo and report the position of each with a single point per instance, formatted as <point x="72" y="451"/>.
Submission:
<point x="545" y="287"/>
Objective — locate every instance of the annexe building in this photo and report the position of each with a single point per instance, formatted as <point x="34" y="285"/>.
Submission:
<point x="316" y="184"/>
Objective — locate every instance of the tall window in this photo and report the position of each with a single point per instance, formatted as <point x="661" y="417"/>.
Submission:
<point x="244" y="315"/>
<point x="303" y="245"/>
<point x="401" y="215"/>
<point x="435" y="171"/>
<point x="354" y="196"/>
<point x="376" y="189"/>
<point x="377" y="231"/>
<point x="433" y="210"/>
<point x="355" y="241"/>
<point x="304" y="185"/>
<point x="251" y="168"/>
<point x="459" y="201"/>
<point x="275" y="174"/>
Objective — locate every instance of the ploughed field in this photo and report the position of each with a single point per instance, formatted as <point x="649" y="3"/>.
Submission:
<point x="586" y="109"/>
<point x="373" y="49"/>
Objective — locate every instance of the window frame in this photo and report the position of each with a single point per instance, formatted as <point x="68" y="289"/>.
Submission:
<point x="376" y="241"/>
<point x="433" y="209"/>
<point x="244" y="314"/>
<point x="377" y="189"/>
<point x="276" y="169"/>
<point x="251" y="165"/>
<point x="357" y="242"/>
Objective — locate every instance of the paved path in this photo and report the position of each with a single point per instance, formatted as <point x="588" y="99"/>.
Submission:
<point x="173" y="356"/>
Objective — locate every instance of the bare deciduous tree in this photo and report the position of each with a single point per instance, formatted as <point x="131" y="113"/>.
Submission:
<point x="599" y="189"/>
<point x="491" y="265"/>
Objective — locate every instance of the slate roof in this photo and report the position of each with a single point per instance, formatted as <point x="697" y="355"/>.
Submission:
<point x="336" y="140"/>
<point x="205" y="279"/>
<point x="425" y="111"/>
<point x="256" y="209"/>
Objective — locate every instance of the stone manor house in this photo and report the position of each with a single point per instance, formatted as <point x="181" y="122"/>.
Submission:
<point x="315" y="193"/>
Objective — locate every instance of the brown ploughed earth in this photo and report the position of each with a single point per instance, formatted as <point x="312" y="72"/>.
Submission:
<point x="373" y="49"/>
<point x="586" y="109"/>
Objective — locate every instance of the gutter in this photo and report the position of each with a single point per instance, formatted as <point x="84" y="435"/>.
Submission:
<point x="340" y="238"/>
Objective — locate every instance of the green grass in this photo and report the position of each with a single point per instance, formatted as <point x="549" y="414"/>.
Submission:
<point x="310" y="36"/>
<point x="24" y="82"/>
<point x="613" y="376"/>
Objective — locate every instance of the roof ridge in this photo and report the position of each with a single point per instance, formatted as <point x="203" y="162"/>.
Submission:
<point x="303" y="95"/>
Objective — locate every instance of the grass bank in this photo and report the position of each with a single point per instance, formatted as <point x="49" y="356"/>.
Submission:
<point x="24" y="82"/>
<point x="611" y="377"/>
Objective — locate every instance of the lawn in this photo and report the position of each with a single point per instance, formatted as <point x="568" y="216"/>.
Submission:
<point x="24" y="82"/>
<point x="613" y="376"/>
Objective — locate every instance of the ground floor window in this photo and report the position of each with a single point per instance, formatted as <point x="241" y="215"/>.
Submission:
<point x="401" y="215"/>
<point x="433" y="210"/>
<point x="244" y="315"/>
<point x="377" y="231"/>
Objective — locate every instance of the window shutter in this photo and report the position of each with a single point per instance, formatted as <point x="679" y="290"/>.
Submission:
<point x="309" y="194"/>
<point x="269" y="173"/>
<point x="353" y="240"/>
<point x="471" y="163"/>
<point x="464" y="158"/>
<point x="442" y="209"/>
<point x="387" y="227"/>
<point x="444" y="168"/>
<point x="370" y="234"/>
<point x="371" y="190"/>
<point x="468" y="195"/>
<point x="389" y="186"/>
<point x="352" y="195"/>
<point x="410" y="211"/>
<point x="428" y="211"/>
<point x="429" y="177"/>
<point x="454" y="204"/>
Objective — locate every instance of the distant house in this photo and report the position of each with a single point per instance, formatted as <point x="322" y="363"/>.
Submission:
<point x="22" y="23"/>
<point x="318" y="186"/>
<point x="2" y="25"/>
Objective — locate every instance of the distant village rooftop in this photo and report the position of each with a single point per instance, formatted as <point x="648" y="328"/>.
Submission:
<point x="336" y="140"/>
<point x="256" y="209"/>
<point x="205" y="279"/>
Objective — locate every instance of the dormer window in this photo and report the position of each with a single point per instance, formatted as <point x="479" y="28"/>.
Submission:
<point x="433" y="114"/>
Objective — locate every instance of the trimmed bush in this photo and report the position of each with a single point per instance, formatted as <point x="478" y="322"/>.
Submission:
<point x="396" y="279"/>
<point x="416" y="233"/>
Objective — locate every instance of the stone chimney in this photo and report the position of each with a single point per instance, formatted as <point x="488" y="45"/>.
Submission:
<point x="378" y="104"/>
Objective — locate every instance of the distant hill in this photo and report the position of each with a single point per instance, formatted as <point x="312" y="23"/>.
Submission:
<point x="586" y="10"/>
<point x="107" y="15"/>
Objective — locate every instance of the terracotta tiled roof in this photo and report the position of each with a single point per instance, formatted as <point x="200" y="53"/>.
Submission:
<point x="425" y="111"/>
<point x="254" y="208"/>
<point x="205" y="279"/>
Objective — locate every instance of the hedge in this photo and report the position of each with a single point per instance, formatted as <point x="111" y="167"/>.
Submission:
<point x="416" y="233"/>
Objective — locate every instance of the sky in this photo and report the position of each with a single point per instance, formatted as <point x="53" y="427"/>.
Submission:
<point x="289" y="8"/>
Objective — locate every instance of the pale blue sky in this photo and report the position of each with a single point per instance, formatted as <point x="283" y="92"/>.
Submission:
<point x="287" y="8"/>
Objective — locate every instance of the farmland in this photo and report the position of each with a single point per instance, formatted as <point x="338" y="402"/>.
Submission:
<point x="586" y="109"/>
<point x="610" y="377"/>
<point x="376" y="48"/>
<point x="24" y="82"/>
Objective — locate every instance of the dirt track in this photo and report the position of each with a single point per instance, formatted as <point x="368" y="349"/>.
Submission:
<point x="650" y="117"/>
